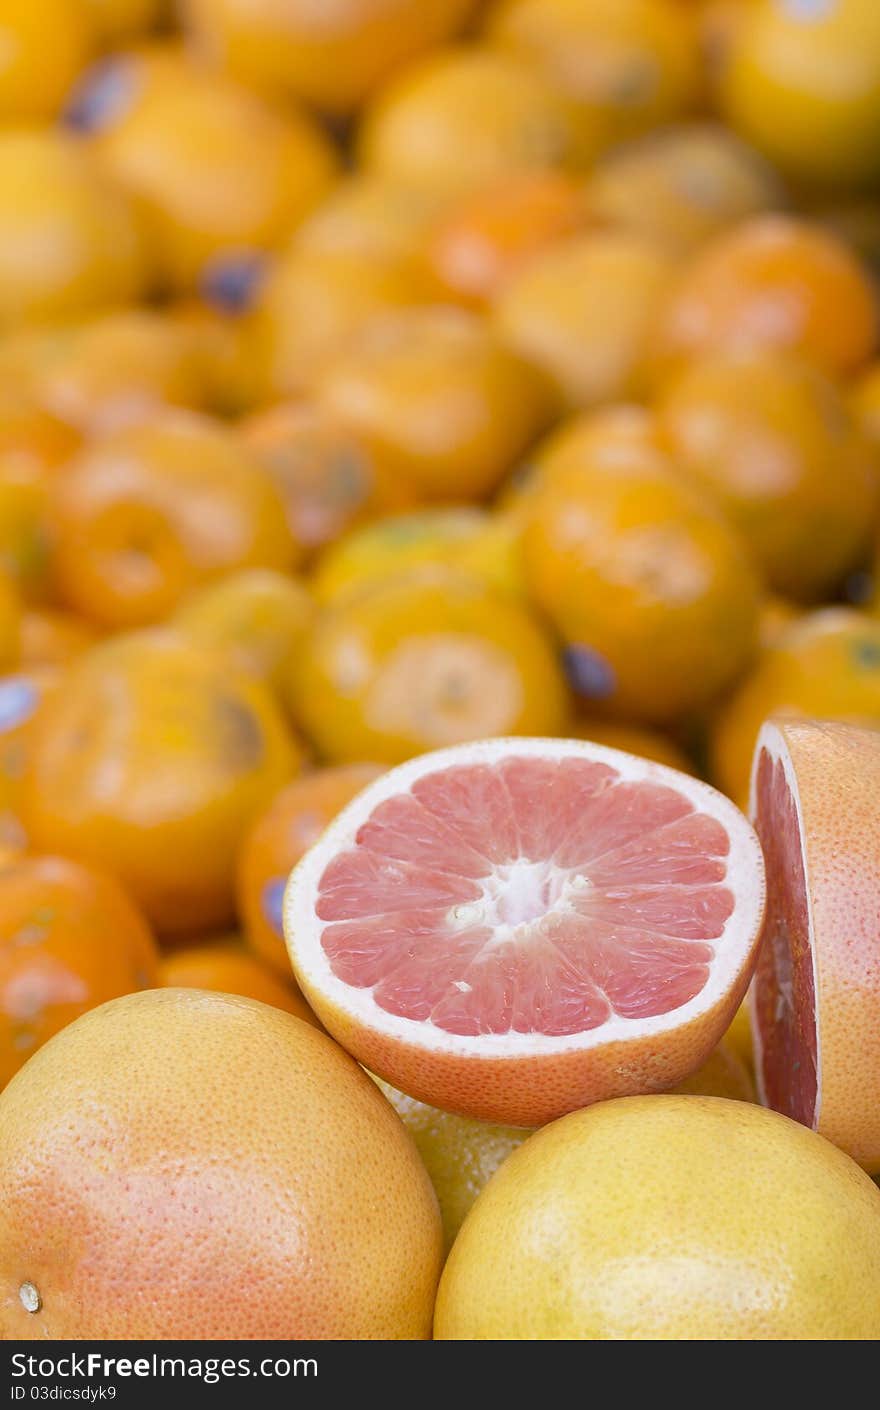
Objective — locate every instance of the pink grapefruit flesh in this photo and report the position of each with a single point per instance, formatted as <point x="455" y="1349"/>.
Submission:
<point x="816" y="994"/>
<point x="516" y="928"/>
<point x="785" y="993"/>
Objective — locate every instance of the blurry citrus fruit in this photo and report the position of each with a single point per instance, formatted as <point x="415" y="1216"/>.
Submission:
<point x="722" y="1229"/>
<point x="802" y="80"/>
<point x="69" y="241"/>
<point x="777" y="615"/>
<point x="219" y="175"/>
<point x="652" y="591"/>
<point x="70" y="939"/>
<point x="723" y="1074"/>
<point x="10" y="623"/>
<point x="816" y="994"/>
<point x="774" y="281"/>
<point x="118" y="369"/>
<point x="466" y="117"/>
<point x="443" y="402"/>
<point x="622" y="433"/>
<point x="514" y="928"/>
<point x="328" y="477"/>
<point x="257" y="619"/>
<point x="30" y="436"/>
<point x="421" y="659"/>
<point x="460" y="1154"/>
<point x="481" y="241"/>
<point x="630" y="65"/>
<point x="372" y="218"/>
<point x="314" y="304"/>
<point x="151" y="512"/>
<point x="771" y="440"/>
<point x="293" y="821"/>
<point x="482" y="544"/>
<point x="227" y="355"/>
<point x="50" y="637"/>
<point x="647" y="743"/>
<point x="866" y="401"/>
<point x="719" y="23"/>
<point x="22" y="694"/>
<point x="33" y="444"/>
<point x="682" y="185"/>
<point x="228" y="969"/>
<point x="583" y="312"/>
<point x="171" y="1086"/>
<point x="854" y="219"/>
<point x="117" y="21"/>
<point x="826" y="663"/>
<point x="43" y="46"/>
<point x="152" y="762"/>
<point x="738" y="1037"/>
<point x="333" y="56"/>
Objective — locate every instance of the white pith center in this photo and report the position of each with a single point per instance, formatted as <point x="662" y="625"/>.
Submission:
<point x="516" y="895"/>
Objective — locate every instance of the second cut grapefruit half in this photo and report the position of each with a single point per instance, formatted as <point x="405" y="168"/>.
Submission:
<point x="515" y="928"/>
<point x="816" y="993"/>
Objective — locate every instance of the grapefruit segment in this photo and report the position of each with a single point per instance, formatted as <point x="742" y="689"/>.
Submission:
<point x="515" y="928"/>
<point x="815" y="1001"/>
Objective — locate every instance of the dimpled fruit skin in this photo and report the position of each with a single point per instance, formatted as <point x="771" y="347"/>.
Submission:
<point x="622" y="1223"/>
<point x="837" y="767"/>
<point x="531" y="1093"/>
<point x="460" y="1153"/>
<point x="187" y="1165"/>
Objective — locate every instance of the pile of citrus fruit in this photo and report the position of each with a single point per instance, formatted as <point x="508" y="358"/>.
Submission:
<point x="440" y="669"/>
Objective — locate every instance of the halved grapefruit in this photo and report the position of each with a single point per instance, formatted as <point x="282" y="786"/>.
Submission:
<point x="816" y="995"/>
<point x="517" y="927"/>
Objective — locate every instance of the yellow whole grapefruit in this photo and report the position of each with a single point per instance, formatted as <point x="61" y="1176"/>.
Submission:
<point x="669" y="1219"/>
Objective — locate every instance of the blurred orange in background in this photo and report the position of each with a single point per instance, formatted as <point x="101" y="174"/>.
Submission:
<point x="584" y="312"/>
<point x="328" y="477"/>
<point x="71" y="241"/>
<point x="225" y="967"/>
<point x="628" y="65"/>
<point x="445" y="404"/>
<point x="423" y="659"/>
<point x="150" y="512"/>
<point x="44" y="44"/>
<point x="772" y="440"/>
<point x="774" y="282"/>
<point x="152" y="762"/>
<point x="467" y="117"/>
<point x="651" y="590"/>
<point x="825" y="664"/>
<point x="218" y="175"/>
<point x="294" y="819"/>
<point x="257" y="619"/>
<point x="332" y="58"/>
<point x="70" y="939"/>
<point x="482" y="241"/>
